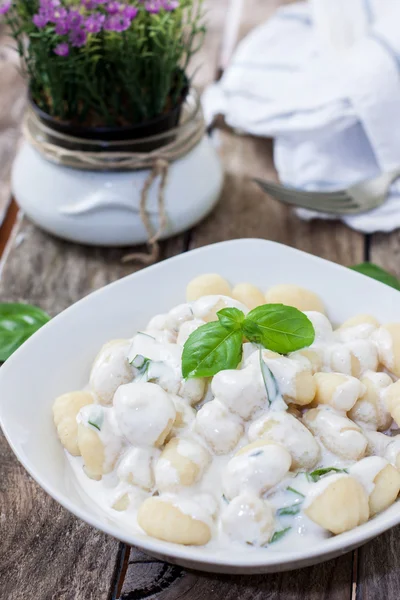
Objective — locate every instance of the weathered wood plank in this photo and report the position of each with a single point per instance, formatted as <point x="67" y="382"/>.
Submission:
<point x="149" y="579"/>
<point x="379" y="561"/>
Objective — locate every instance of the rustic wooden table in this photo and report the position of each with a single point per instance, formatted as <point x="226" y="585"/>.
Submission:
<point x="46" y="553"/>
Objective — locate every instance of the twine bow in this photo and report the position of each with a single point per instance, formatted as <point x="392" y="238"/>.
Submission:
<point x="127" y="155"/>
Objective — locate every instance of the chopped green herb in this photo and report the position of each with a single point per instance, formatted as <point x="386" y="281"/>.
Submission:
<point x="290" y="489"/>
<point x="318" y="473"/>
<point x="278" y="535"/>
<point x="146" y="334"/>
<point x="96" y="417"/>
<point x="294" y="509"/>
<point x="225" y="499"/>
<point x="257" y="453"/>
<point x="141" y="363"/>
<point x="270" y="383"/>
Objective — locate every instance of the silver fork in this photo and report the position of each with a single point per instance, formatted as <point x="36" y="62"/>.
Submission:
<point x="359" y="198"/>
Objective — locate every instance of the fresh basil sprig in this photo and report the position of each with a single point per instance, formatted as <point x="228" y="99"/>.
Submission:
<point x="375" y="272"/>
<point x="17" y="323"/>
<point x="216" y="346"/>
<point x="279" y="328"/>
<point x="211" y="348"/>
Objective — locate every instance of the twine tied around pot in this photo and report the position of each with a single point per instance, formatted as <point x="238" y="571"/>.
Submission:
<point x="126" y="155"/>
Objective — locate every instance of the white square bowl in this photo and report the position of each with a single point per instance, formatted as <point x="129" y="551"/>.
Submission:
<point x="57" y="359"/>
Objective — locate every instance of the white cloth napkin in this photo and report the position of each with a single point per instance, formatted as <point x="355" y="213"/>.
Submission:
<point x="323" y="78"/>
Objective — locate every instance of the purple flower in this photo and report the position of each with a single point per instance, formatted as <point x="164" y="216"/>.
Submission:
<point x="78" y="38"/>
<point x="130" y="11"/>
<point x="62" y="27"/>
<point x="89" y="4"/>
<point x="117" y="23"/>
<point x="94" y="23"/>
<point x="61" y="49"/>
<point x="113" y="8"/>
<point x="5" y="6"/>
<point x="40" y="20"/>
<point x="152" y="6"/>
<point x="170" y="4"/>
<point x="59" y="14"/>
<point x="75" y="19"/>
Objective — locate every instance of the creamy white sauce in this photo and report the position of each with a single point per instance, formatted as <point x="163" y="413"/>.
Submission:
<point x="242" y="498"/>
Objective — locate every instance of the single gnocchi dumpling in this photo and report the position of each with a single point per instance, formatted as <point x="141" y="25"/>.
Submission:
<point x="110" y="370"/>
<point x="295" y="383"/>
<point x="283" y="428"/>
<point x="242" y="391"/>
<point x="181" y="464"/>
<point x="185" y="415"/>
<point x="377" y="442"/>
<point x="248" y="294"/>
<point x="294" y="295"/>
<point x="162" y="519"/>
<point x="220" y="428"/>
<point x="187" y="329"/>
<point x="392" y="451"/>
<point x="380" y="480"/>
<point x="322" y="327"/>
<point x="98" y="440"/>
<point x="387" y="339"/>
<point x="256" y="468"/>
<point x="337" y="390"/>
<point x="357" y="328"/>
<point x="192" y="389"/>
<point x="136" y="468"/>
<point x="178" y="316"/>
<point x="337" y="503"/>
<point x="248" y="519"/>
<point x="340" y="359"/>
<point x="65" y="411"/>
<point x="207" y="307"/>
<point x="145" y="413"/>
<point x="338" y="434"/>
<point x="391" y="398"/>
<point x="209" y="284"/>
<point x="370" y="410"/>
<point x="310" y="359"/>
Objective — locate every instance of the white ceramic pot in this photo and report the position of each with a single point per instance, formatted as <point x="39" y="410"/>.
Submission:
<point x="102" y="208"/>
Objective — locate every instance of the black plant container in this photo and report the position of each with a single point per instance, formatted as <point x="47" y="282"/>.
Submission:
<point x="152" y="127"/>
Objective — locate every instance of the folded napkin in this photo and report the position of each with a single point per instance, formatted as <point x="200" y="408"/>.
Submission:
<point x="323" y="78"/>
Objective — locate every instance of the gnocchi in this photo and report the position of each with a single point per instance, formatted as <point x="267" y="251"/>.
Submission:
<point x="338" y="503"/>
<point x="247" y="455"/>
<point x="65" y="412"/>
<point x="162" y="519"/>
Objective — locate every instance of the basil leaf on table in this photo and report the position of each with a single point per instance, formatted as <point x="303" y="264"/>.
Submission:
<point x="279" y="328"/>
<point x="231" y="318"/>
<point x="17" y="323"/>
<point x="375" y="272"/>
<point x="210" y="349"/>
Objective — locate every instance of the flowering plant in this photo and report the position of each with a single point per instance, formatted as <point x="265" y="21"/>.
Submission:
<point x="105" y="62"/>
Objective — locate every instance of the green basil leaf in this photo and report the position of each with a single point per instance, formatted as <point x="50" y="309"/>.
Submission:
<point x="292" y="510"/>
<point x="318" y="473"/>
<point x="231" y="318"/>
<point x="279" y="328"/>
<point x="278" y="535"/>
<point x="375" y="272"/>
<point x="17" y="323"/>
<point x="210" y="349"/>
